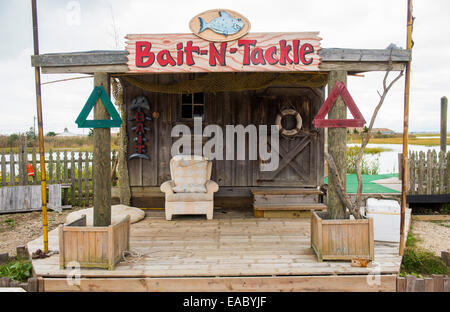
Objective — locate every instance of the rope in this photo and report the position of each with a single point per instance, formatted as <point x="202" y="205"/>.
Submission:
<point x="131" y="256"/>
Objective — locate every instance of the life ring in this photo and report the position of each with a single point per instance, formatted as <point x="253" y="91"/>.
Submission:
<point x="290" y="132"/>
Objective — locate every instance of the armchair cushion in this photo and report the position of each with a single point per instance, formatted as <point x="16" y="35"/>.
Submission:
<point x="190" y="172"/>
<point x="189" y="197"/>
<point x="189" y="188"/>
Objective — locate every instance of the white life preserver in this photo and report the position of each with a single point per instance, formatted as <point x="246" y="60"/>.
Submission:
<point x="290" y="132"/>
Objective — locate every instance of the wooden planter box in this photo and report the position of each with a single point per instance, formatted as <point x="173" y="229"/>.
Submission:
<point x="341" y="239"/>
<point x="93" y="246"/>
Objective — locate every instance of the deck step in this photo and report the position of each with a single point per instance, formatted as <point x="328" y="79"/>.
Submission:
<point x="286" y="191"/>
<point x="289" y="207"/>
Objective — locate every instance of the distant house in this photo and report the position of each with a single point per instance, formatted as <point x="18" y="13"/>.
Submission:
<point x="66" y="133"/>
<point x="383" y="131"/>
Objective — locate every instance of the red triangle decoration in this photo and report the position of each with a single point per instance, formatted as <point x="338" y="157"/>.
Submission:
<point x="339" y="89"/>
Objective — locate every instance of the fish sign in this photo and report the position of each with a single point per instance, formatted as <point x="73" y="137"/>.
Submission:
<point x="139" y="105"/>
<point x="219" y="25"/>
<point x="339" y="89"/>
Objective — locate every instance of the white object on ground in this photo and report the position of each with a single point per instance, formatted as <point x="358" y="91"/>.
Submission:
<point x="12" y="289"/>
<point x="386" y="219"/>
<point x="118" y="212"/>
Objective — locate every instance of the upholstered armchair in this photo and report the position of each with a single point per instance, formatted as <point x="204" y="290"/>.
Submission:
<point x="190" y="191"/>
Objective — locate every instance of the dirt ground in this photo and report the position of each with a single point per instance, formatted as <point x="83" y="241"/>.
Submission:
<point x="17" y="229"/>
<point x="433" y="235"/>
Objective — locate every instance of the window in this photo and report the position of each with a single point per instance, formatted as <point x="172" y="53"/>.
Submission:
<point x="192" y="105"/>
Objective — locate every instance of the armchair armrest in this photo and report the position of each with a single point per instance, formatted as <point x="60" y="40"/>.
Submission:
<point x="167" y="187"/>
<point x="211" y="186"/>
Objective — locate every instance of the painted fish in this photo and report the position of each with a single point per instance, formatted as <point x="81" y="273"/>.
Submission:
<point x="225" y="24"/>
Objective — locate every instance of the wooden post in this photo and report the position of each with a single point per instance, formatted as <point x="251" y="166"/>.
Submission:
<point x="409" y="26"/>
<point x="102" y="159"/>
<point x="337" y="147"/>
<point x="444" y="103"/>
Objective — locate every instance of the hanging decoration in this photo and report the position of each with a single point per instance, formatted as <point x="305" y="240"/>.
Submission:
<point x="138" y="106"/>
<point x="98" y="93"/>
<point x="339" y="89"/>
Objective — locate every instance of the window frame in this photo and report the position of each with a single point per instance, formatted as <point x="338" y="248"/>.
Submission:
<point x="193" y="104"/>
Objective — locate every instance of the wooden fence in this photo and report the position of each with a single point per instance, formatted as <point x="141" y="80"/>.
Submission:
<point x="71" y="169"/>
<point x="428" y="174"/>
<point x="436" y="283"/>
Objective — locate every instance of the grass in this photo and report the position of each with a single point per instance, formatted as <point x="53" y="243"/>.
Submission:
<point x="367" y="167"/>
<point x="412" y="140"/>
<point x="17" y="270"/>
<point x="442" y="223"/>
<point x="78" y="143"/>
<point x="420" y="262"/>
<point x="10" y="222"/>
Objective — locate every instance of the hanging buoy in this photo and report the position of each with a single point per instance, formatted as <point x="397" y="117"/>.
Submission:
<point x="290" y="132"/>
<point x="30" y="170"/>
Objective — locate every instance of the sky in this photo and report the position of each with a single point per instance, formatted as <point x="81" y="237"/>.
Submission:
<point x="68" y="26"/>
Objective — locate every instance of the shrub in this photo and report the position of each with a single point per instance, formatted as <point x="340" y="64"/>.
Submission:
<point x="17" y="270"/>
<point x="367" y="167"/>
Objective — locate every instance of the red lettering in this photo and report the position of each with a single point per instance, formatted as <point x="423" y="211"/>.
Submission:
<point x="165" y="58"/>
<point x="139" y="148"/>
<point x="140" y="117"/>
<point x="306" y="49"/>
<point x="139" y="128"/>
<point x="215" y="55"/>
<point x="269" y="55"/>
<point x="180" y="54"/>
<point x="246" y="44"/>
<point x="139" y="139"/>
<point x="284" y="52"/>
<point x="257" y="56"/>
<point x="189" y="49"/>
<point x="143" y="50"/>
<point x="295" y="44"/>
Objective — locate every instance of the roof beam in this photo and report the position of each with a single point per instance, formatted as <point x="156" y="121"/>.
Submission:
<point x="351" y="60"/>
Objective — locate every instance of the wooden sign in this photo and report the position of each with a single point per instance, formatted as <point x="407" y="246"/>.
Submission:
<point x="181" y="53"/>
<point x="98" y="93"/>
<point x="139" y="105"/>
<point x="339" y="89"/>
<point x="219" y="25"/>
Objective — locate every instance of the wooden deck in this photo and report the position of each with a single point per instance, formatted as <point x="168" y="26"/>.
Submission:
<point x="231" y="252"/>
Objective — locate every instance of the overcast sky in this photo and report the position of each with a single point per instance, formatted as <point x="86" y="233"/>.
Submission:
<point x="342" y="24"/>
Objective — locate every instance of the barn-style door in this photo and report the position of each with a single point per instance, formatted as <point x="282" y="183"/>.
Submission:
<point x="300" y="155"/>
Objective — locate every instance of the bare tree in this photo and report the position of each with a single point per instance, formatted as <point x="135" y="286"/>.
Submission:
<point x="354" y="207"/>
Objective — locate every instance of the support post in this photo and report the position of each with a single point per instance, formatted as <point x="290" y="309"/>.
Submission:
<point x="337" y="147"/>
<point x="409" y="25"/>
<point x="444" y="103"/>
<point x="102" y="159"/>
<point x="37" y="74"/>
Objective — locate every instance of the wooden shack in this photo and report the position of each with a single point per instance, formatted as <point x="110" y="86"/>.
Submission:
<point x="251" y="80"/>
<point x="162" y="81"/>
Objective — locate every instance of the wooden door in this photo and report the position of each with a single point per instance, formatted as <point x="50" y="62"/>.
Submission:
<point x="300" y="156"/>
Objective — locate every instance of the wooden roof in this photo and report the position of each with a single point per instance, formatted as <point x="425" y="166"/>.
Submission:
<point x="351" y="60"/>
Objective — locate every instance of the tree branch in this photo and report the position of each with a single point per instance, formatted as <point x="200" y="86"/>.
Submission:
<point x="367" y="136"/>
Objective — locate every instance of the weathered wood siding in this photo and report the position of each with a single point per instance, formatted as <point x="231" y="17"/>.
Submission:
<point x="301" y="159"/>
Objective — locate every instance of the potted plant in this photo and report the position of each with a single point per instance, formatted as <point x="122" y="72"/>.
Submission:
<point x="334" y="234"/>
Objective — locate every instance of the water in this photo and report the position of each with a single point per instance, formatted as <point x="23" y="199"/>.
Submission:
<point x="389" y="160"/>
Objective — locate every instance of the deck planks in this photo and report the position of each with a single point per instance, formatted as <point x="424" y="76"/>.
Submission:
<point x="222" y="248"/>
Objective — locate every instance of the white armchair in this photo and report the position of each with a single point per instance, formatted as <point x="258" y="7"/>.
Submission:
<point x="190" y="191"/>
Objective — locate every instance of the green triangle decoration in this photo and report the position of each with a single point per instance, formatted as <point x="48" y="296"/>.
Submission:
<point x="114" y="122"/>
